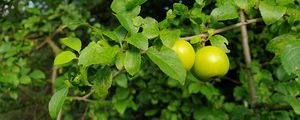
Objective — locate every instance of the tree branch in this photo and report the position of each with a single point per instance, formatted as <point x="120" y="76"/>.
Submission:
<point x="55" y="50"/>
<point x="247" y="57"/>
<point x="204" y="35"/>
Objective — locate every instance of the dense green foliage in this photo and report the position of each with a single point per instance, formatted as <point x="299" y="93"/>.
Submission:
<point x="97" y="59"/>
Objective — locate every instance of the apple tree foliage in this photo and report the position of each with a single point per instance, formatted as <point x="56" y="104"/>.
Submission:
<point x="69" y="60"/>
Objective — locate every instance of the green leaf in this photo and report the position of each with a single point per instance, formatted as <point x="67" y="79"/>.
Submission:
<point x="282" y="75"/>
<point x="126" y="20"/>
<point x="225" y="12"/>
<point x="13" y="94"/>
<point x="121" y="33"/>
<point x="57" y="101"/>
<point x="112" y="35"/>
<point x="64" y="57"/>
<point x="170" y="15"/>
<point x="25" y="80"/>
<point x="37" y="74"/>
<point x="120" y="60"/>
<point x="97" y="54"/>
<point x="173" y="106"/>
<point x="245" y="4"/>
<point x="172" y="82"/>
<point x="196" y="39"/>
<point x="120" y="100"/>
<point x="209" y="91"/>
<point x="271" y="13"/>
<point x="295" y="103"/>
<point x="180" y="9"/>
<point x="74" y="24"/>
<point x="200" y="2"/>
<point x="9" y="78"/>
<point x="150" y="28"/>
<point x="205" y="113"/>
<point x="239" y="92"/>
<point x="138" y="21"/>
<point x="121" y="80"/>
<point x="133" y="62"/>
<point x="72" y="42"/>
<point x="138" y="40"/>
<point x="102" y="81"/>
<point x="219" y="41"/>
<point x="33" y="11"/>
<point x="125" y="5"/>
<point x="31" y="21"/>
<point x="168" y="37"/>
<point x="194" y="88"/>
<point x="168" y="62"/>
<point x="118" y="6"/>
<point x="290" y="58"/>
<point x="285" y="2"/>
<point x="288" y="88"/>
<point x="131" y="4"/>
<point x="277" y="44"/>
<point x="151" y="112"/>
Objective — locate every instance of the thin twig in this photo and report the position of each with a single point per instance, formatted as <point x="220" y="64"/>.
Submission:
<point x="84" y="114"/>
<point x="41" y="45"/>
<point x="237" y="25"/>
<point x="84" y="98"/>
<point x="247" y="57"/>
<point x="59" y="116"/>
<point x="118" y="72"/>
<point x="232" y="80"/>
<point x="53" y="76"/>
<point x="204" y="35"/>
<point x="81" y="99"/>
<point x="49" y="38"/>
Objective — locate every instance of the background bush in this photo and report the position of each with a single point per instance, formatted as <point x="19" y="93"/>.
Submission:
<point x="104" y="59"/>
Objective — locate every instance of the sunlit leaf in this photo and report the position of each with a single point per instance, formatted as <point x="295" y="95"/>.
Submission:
<point x="102" y="81"/>
<point x="225" y="12"/>
<point x="133" y="62"/>
<point x="219" y="41"/>
<point x="64" y="57"/>
<point x="120" y="100"/>
<point x="57" y="101"/>
<point x="138" y="40"/>
<point x="121" y="80"/>
<point x="271" y="13"/>
<point x="37" y="74"/>
<point x="295" y="103"/>
<point x="290" y="58"/>
<point x="277" y="44"/>
<point x="180" y="9"/>
<point x="150" y="28"/>
<point x="168" y="37"/>
<point x="94" y="53"/>
<point x="168" y="62"/>
<point x="72" y="42"/>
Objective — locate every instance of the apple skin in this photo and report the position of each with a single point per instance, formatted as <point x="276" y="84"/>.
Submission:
<point x="211" y="61"/>
<point x="185" y="53"/>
